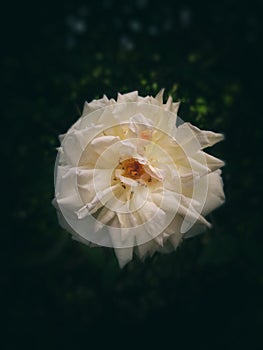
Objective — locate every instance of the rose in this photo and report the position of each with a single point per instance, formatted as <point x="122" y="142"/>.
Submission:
<point x="131" y="175"/>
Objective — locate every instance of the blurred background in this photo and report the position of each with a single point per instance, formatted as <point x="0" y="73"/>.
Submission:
<point x="57" y="293"/>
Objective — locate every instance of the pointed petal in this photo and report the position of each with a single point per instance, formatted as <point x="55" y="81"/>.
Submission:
<point x="146" y="249"/>
<point x="213" y="163"/>
<point x="159" y="96"/>
<point x="169" y="104"/>
<point x="175" y="107"/>
<point x="95" y="104"/>
<point x="206" y="138"/>
<point x="124" y="255"/>
<point x="195" y="230"/>
<point x="129" y="97"/>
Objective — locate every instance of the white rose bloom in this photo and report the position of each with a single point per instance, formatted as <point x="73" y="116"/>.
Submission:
<point x="131" y="175"/>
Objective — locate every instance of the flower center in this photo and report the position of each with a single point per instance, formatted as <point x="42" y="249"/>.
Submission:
<point x="131" y="172"/>
<point x="133" y="169"/>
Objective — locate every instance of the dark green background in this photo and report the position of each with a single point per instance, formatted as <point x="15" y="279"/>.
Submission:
<point x="57" y="293"/>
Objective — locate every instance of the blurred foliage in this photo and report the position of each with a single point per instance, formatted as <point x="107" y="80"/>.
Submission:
<point x="60" y="293"/>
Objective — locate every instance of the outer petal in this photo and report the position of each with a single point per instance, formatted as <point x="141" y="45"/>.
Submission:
<point x="213" y="163"/>
<point x="124" y="255"/>
<point x="195" y="230"/>
<point x="206" y="138"/>
<point x="96" y="104"/>
<point x="129" y="97"/>
<point x="146" y="249"/>
<point x="159" y="96"/>
<point x="215" y="195"/>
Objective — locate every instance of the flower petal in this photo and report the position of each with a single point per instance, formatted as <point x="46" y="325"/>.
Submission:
<point x="95" y="104"/>
<point x="129" y="97"/>
<point x="159" y="96"/>
<point x="124" y="255"/>
<point x="206" y="138"/>
<point x="215" y="194"/>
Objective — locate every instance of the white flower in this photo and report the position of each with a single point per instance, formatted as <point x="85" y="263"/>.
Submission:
<point x="131" y="175"/>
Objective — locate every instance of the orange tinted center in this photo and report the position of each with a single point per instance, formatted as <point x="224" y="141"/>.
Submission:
<point x="134" y="170"/>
